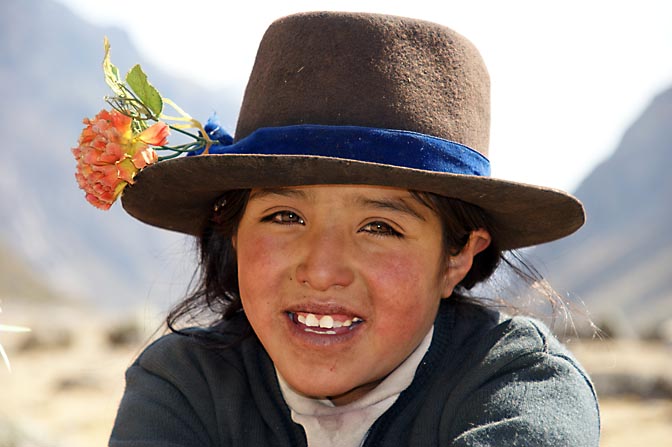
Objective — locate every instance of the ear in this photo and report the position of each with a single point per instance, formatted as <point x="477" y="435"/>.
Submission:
<point x="459" y="265"/>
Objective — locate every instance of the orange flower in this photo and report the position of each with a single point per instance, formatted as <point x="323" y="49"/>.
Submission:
<point x="109" y="155"/>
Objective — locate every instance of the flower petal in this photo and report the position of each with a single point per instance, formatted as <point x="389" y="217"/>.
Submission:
<point x="156" y="135"/>
<point x="126" y="170"/>
<point x="145" y="157"/>
<point x="104" y="166"/>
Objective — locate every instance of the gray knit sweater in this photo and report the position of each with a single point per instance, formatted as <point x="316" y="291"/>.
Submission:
<point x="485" y="381"/>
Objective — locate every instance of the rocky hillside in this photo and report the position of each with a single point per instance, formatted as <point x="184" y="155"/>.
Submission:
<point x="620" y="263"/>
<point x="50" y="78"/>
<point x="17" y="279"/>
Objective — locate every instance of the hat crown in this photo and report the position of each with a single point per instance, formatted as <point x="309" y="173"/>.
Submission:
<point x="368" y="70"/>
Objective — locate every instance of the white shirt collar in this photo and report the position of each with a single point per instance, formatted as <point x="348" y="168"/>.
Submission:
<point x="327" y="425"/>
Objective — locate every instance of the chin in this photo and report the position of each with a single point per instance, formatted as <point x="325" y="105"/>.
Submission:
<point x="319" y="390"/>
<point x="327" y="388"/>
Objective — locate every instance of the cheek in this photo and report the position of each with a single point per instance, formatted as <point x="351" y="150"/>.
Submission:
<point x="396" y="273"/>
<point x="254" y="253"/>
<point x="406" y="302"/>
<point x="260" y="267"/>
<point x="258" y="252"/>
<point x="408" y="288"/>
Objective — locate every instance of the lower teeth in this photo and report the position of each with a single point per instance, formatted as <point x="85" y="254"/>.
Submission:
<point x="320" y="332"/>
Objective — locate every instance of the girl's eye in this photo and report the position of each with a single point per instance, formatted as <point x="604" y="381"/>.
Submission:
<point x="285" y="218"/>
<point x="380" y="229"/>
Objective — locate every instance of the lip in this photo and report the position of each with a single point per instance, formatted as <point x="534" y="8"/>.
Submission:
<point x="325" y="309"/>
<point x="322" y="337"/>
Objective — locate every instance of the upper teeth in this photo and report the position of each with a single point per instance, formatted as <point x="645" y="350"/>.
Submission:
<point x="326" y="321"/>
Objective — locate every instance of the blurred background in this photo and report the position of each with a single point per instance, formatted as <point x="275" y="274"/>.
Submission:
<point x="581" y="101"/>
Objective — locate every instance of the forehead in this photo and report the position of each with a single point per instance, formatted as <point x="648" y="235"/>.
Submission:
<point x="316" y="192"/>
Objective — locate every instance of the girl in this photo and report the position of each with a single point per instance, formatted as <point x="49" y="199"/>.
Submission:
<point x="340" y="233"/>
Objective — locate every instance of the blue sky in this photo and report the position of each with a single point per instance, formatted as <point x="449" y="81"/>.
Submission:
<point x="567" y="77"/>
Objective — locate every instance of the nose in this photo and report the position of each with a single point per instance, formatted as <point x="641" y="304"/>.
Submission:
<point x="324" y="263"/>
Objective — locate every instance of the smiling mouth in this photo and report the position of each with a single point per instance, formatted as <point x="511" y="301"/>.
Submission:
<point x="324" y="324"/>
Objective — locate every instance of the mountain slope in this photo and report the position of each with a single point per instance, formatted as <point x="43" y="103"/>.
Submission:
<point x="18" y="281"/>
<point x="50" y="78"/>
<point x="620" y="263"/>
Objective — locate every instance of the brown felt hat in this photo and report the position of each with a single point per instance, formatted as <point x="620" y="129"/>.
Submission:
<point x="353" y="98"/>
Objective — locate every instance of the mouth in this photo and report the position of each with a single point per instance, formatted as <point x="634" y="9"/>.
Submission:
<point x="325" y="324"/>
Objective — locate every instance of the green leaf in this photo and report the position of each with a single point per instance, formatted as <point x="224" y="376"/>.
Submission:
<point x="112" y="77"/>
<point x="146" y="93"/>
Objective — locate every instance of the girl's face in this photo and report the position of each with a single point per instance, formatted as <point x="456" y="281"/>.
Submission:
<point x="341" y="283"/>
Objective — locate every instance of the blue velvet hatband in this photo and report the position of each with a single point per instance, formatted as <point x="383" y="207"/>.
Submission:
<point x="385" y="146"/>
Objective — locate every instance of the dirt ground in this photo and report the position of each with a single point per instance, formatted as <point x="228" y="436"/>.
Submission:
<point x="67" y="379"/>
<point x="629" y="419"/>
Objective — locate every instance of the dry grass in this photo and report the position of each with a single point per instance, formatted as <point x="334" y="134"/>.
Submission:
<point x="66" y="394"/>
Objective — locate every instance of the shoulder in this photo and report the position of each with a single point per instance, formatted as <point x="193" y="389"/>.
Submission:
<point x="502" y="380"/>
<point x="520" y="335"/>
<point x="518" y="341"/>
<point x="492" y="343"/>
<point x="522" y="348"/>
<point x="187" y="389"/>
<point x="196" y="351"/>
<point x="529" y="381"/>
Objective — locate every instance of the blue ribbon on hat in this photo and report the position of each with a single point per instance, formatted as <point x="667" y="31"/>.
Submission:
<point x="386" y="146"/>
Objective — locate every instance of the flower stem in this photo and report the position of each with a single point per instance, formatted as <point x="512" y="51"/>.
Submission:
<point x="177" y="129"/>
<point x="181" y="148"/>
<point x="169" y="157"/>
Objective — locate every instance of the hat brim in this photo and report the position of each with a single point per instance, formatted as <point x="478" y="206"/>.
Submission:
<point x="179" y="194"/>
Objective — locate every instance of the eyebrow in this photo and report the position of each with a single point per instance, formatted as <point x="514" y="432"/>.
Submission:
<point x="394" y="204"/>
<point x="264" y="192"/>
